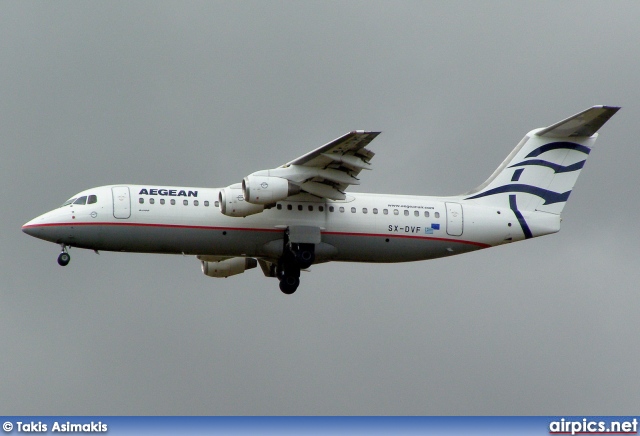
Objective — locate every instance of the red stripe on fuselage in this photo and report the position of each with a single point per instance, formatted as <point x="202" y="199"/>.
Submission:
<point x="249" y="229"/>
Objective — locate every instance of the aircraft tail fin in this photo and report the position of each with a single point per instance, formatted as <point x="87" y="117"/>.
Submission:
<point x="540" y="173"/>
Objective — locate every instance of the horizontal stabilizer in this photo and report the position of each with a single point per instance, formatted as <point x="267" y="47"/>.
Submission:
<point x="584" y="124"/>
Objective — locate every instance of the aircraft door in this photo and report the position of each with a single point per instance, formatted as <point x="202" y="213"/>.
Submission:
<point x="121" y="202"/>
<point x="455" y="221"/>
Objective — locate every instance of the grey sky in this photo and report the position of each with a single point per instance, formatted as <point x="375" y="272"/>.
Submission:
<point x="204" y="93"/>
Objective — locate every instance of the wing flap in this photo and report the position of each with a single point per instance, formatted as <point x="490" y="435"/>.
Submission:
<point x="356" y="162"/>
<point x="349" y="144"/>
<point x="322" y="190"/>
<point x="329" y="170"/>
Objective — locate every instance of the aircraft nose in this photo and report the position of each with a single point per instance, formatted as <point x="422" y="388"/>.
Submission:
<point x="28" y="230"/>
<point x="29" y="227"/>
<point x="37" y="227"/>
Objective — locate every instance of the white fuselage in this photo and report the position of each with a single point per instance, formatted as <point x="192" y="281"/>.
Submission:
<point x="287" y="218"/>
<point x="361" y="228"/>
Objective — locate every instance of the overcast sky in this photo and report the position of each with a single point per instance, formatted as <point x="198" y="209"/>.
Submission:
<point x="204" y="93"/>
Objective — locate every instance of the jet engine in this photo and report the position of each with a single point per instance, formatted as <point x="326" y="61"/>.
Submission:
<point x="232" y="202"/>
<point x="228" y="267"/>
<point x="267" y="190"/>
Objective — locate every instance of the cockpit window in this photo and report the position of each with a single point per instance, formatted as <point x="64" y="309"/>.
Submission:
<point x="81" y="200"/>
<point x="68" y="202"/>
<point x="92" y="199"/>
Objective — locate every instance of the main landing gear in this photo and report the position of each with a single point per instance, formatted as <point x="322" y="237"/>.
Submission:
<point x="289" y="276"/>
<point x="64" y="258"/>
<point x="298" y="253"/>
<point x="288" y="269"/>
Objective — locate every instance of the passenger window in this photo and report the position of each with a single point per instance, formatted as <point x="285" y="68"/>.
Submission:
<point x="396" y="212"/>
<point x="353" y="210"/>
<point x="141" y="200"/>
<point x="331" y="208"/>
<point x="289" y="207"/>
<point x="162" y="201"/>
<point x="437" y="214"/>
<point x="416" y="213"/>
<point x="385" y="211"/>
<point x="364" y="210"/>
<point x="406" y="213"/>
<point x="173" y="202"/>
<point x="426" y="214"/>
<point x="92" y="199"/>
<point x="341" y="209"/>
<point x="310" y="208"/>
<point x="299" y="207"/>
<point x="279" y="206"/>
<point x="206" y="203"/>
<point x="321" y="208"/>
<point x="216" y="203"/>
<point x="196" y="202"/>
<point x="185" y="202"/>
<point x="81" y="200"/>
<point x="375" y="211"/>
<point x="151" y="201"/>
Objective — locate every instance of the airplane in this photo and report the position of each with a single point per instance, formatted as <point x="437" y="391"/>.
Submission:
<point x="300" y="214"/>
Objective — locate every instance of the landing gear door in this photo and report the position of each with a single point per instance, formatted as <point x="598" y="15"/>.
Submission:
<point x="121" y="202"/>
<point x="455" y="221"/>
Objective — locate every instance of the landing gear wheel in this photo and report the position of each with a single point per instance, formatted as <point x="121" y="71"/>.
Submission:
<point x="303" y="254"/>
<point x="289" y="284"/>
<point x="64" y="258"/>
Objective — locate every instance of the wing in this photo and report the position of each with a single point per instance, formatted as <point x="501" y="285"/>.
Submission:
<point x="328" y="171"/>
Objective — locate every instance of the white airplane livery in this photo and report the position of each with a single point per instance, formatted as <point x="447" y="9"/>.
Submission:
<point x="299" y="214"/>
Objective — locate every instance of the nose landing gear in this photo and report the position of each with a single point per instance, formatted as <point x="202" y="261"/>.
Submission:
<point x="64" y="258"/>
